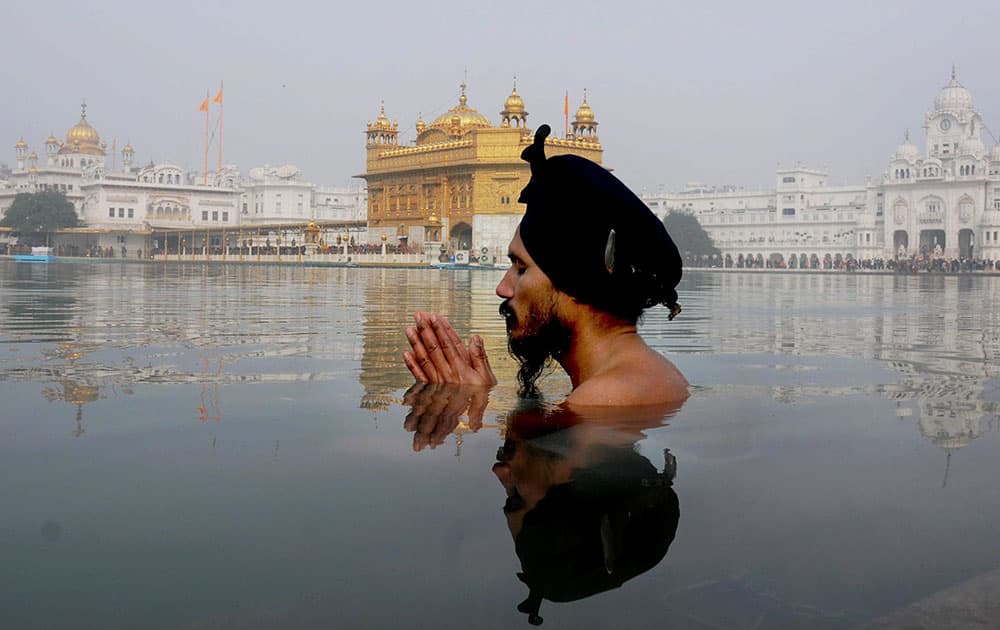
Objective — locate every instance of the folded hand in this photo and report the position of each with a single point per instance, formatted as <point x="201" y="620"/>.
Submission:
<point x="438" y="354"/>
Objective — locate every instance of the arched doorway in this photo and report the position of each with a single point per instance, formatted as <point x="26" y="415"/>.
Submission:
<point x="966" y="243"/>
<point x="776" y="260"/>
<point x="803" y="261"/>
<point x="461" y="236"/>
<point x="900" y="242"/>
<point x="793" y="261"/>
<point x="932" y="242"/>
<point x="729" y="261"/>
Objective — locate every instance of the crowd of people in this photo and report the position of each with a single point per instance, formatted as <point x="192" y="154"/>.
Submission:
<point x="901" y="264"/>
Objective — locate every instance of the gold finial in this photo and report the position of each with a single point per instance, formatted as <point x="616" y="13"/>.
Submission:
<point x="83" y="109"/>
<point x="584" y="95"/>
<point x="381" y="108"/>
<point x="462" y="99"/>
<point x="906" y="136"/>
<point x="515" y="83"/>
<point x="952" y="72"/>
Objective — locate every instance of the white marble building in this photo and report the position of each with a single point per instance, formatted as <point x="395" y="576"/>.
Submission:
<point x="122" y="207"/>
<point x="944" y="200"/>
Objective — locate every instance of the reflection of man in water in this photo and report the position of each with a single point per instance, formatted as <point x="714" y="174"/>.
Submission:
<point x="585" y="510"/>
<point x="587" y="259"/>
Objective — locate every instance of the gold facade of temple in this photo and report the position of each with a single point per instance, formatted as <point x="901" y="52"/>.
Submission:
<point x="460" y="167"/>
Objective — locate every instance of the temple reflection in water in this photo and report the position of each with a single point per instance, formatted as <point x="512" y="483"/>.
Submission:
<point x="939" y="335"/>
<point x="100" y="330"/>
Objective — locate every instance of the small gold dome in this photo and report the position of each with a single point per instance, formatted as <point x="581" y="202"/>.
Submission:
<point x="514" y="103"/>
<point x="21" y="144"/>
<point x="382" y="122"/>
<point x="467" y="117"/>
<point x="32" y="156"/>
<point x="51" y="139"/>
<point x="128" y="149"/>
<point x="32" y="170"/>
<point x="584" y="113"/>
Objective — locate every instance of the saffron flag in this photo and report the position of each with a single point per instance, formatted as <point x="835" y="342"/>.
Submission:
<point x="218" y="97"/>
<point x="566" y="105"/>
<point x="204" y="105"/>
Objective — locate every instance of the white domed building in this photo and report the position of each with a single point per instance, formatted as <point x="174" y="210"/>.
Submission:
<point x="943" y="200"/>
<point x="936" y="202"/>
<point x="119" y="206"/>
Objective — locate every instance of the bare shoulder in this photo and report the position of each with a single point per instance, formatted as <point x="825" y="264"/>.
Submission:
<point x="642" y="378"/>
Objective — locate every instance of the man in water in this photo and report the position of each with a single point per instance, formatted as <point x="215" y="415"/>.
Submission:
<point x="587" y="259"/>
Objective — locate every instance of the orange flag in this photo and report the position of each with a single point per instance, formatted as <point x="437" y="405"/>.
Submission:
<point x="566" y="112"/>
<point x="218" y="97"/>
<point x="204" y="105"/>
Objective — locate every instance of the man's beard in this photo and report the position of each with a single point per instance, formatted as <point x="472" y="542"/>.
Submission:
<point x="543" y="336"/>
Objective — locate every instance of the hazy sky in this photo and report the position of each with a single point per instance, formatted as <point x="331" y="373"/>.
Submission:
<point x="694" y="91"/>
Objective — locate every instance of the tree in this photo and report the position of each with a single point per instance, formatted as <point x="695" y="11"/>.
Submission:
<point x="692" y="240"/>
<point x="39" y="213"/>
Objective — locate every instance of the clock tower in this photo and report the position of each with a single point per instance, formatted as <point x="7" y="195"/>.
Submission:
<point x="953" y="127"/>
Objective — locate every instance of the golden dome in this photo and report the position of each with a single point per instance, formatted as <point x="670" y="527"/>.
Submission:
<point x="465" y="116"/>
<point x="32" y="170"/>
<point x="32" y="156"/>
<point x="21" y="144"/>
<point x="51" y="139"/>
<point x="584" y="113"/>
<point x="82" y="138"/>
<point x="514" y="103"/>
<point x="382" y="122"/>
<point x="83" y="132"/>
<point x="128" y="149"/>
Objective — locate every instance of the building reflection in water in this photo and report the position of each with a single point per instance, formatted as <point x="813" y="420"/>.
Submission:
<point x="103" y="329"/>
<point x="940" y="334"/>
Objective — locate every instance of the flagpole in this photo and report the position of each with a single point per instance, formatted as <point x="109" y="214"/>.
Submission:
<point x="566" y="113"/>
<point x="204" y="172"/>
<point x="219" y="169"/>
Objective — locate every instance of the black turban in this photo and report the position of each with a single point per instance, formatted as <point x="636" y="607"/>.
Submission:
<point x="593" y="237"/>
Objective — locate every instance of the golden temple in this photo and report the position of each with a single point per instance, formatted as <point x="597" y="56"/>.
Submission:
<point x="456" y="186"/>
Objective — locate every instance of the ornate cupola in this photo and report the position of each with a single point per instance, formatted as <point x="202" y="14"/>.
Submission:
<point x="127" y="154"/>
<point x="584" y="123"/>
<point x="513" y="114"/>
<point x="382" y="132"/>
<point x="907" y="151"/>
<point x="21" y="152"/>
<point x="51" y="149"/>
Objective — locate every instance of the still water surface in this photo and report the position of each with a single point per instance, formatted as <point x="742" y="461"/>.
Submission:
<point x="210" y="446"/>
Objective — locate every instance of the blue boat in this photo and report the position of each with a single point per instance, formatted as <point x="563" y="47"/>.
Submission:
<point x="37" y="255"/>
